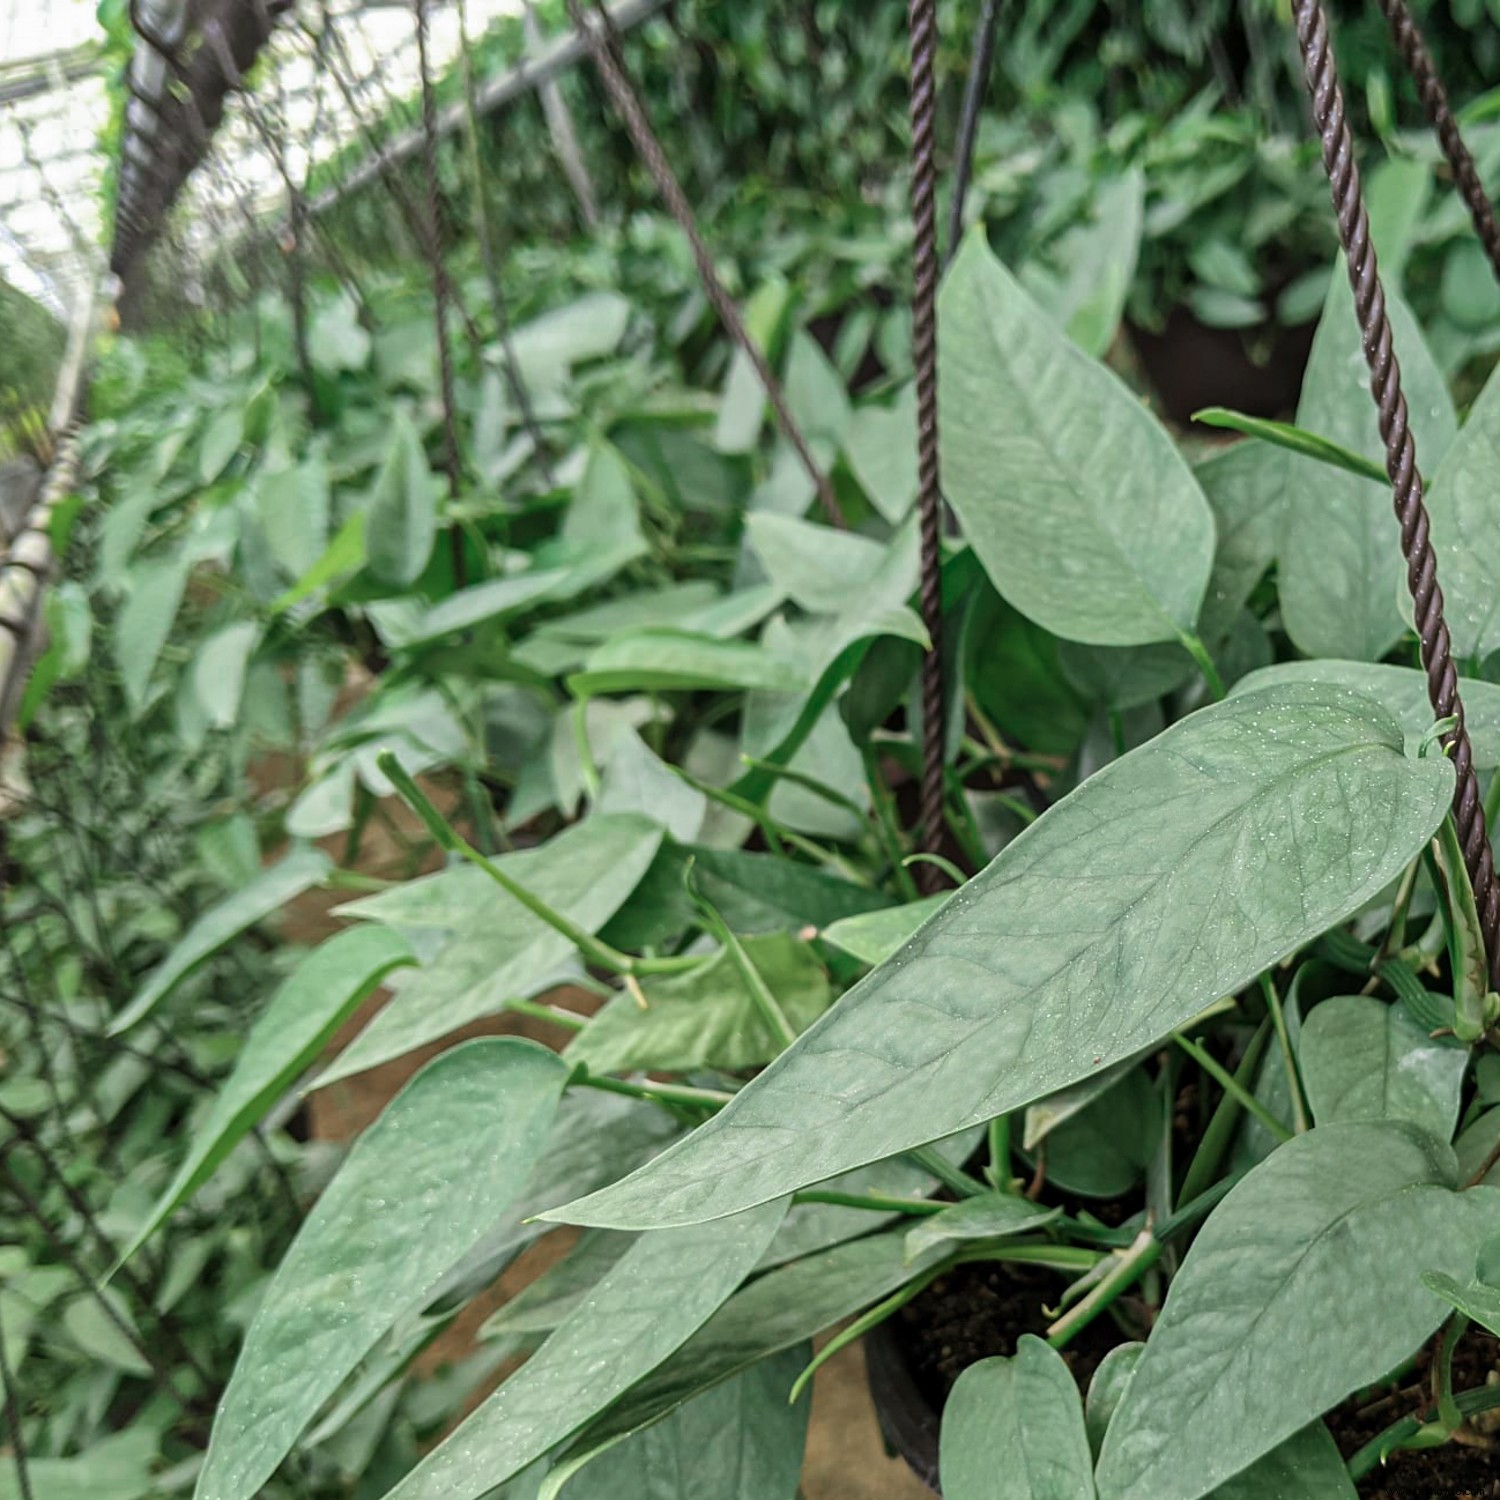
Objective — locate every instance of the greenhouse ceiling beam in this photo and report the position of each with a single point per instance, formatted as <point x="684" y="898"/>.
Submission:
<point x="500" y="92"/>
<point x="41" y="75"/>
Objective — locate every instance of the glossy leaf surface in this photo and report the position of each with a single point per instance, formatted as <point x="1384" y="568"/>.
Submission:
<point x="1168" y="880"/>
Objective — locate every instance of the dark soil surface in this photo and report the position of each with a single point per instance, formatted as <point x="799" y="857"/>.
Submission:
<point x="979" y="1310"/>
<point x="1453" y="1472"/>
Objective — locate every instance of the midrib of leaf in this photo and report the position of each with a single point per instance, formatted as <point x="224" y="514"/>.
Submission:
<point x="1064" y="465"/>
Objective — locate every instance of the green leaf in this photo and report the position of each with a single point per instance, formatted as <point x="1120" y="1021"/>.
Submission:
<point x="401" y="517"/>
<point x="1465" y="513"/>
<point x="873" y="936"/>
<point x="335" y="340"/>
<point x="1295" y="440"/>
<point x="1102" y="1151"/>
<point x="1402" y="691"/>
<point x="100" y="1337"/>
<point x="293" y="505"/>
<point x="988" y="1216"/>
<point x="299" y="871"/>
<point x="1474" y="1145"/>
<point x="881" y="447"/>
<point x="1476" y="1300"/>
<point x="742" y="407"/>
<point x="1340" y="556"/>
<point x="415" y="1195"/>
<point x="344" y="555"/>
<point x="752" y="892"/>
<point x="498" y="951"/>
<point x="221" y="441"/>
<point x="678" y="661"/>
<point x="636" y="781"/>
<point x="1075" y="499"/>
<point x="1305" y="1467"/>
<point x="999" y="1000"/>
<point x="1101" y="260"/>
<point x="1013" y="1430"/>
<point x="707" y="1017"/>
<point x="319" y="995"/>
<point x="817" y="567"/>
<point x="1245" y="486"/>
<point x="1107" y="1389"/>
<point x="542" y="1304"/>
<point x="144" y="622"/>
<point x="219" y="671"/>
<point x="662" y="1291"/>
<point x="1326" y="1223"/>
<point x="1362" y="1059"/>
<point x="741" y="1440"/>
<point x="118" y="1468"/>
<point x="776" y="1312"/>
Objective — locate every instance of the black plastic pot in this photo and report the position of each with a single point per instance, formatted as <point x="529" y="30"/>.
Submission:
<point x="907" y="1420"/>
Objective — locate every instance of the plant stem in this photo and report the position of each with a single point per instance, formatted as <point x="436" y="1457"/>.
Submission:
<point x="1300" y="1121"/>
<point x="1227" y="1081"/>
<point x="593" y="949"/>
<point x="998" y="1170"/>
<point x="656" y="1093"/>
<point x="935" y="1164"/>
<point x="1216" y="1138"/>
<point x="771" y="1013"/>
<point x="556" y="1014"/>
<point x="859" y="1327"/>
<point x="1442" y="1372"/>
<point x="1133" y="1264"/>
<point x="876" y="1202"/>
<point x="885" y="824"/>
<point x="1374" y="1453"/>
<point x="1199" y="652"/>
<point x="1057" y="1257"/>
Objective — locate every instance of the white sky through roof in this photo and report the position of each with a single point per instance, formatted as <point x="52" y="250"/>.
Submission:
<point x="52" y="227"/>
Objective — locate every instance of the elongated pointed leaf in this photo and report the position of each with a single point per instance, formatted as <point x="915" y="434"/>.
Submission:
<point x="498" y="950"/>
<point x="988" y="1216"/>
<point x="1340" y="552"/>
<point x="1166" y="881"/>
<point x="1321" y="1234"/>
<point x="663" y="1290"/>
<point x="777" y="1311"/>
<point x="1365" y="1060"/>
<point x="1076" y="500"/>
<point x="302" y="869"/>
<point x="1465" y="509"/>
<point x="144" y="622"/>
<point x="303" y="1014"/>
<point x="741" y="1440"/>
<point x="873" y="936"/>
<point x="402" y="519"/>
<point x="1403" y="692"/>
<point x="1305" y="1467"/>
<point x="1013" y="1430"/>
<point x="417" y="1192"/>
<point x="675" y="660"/>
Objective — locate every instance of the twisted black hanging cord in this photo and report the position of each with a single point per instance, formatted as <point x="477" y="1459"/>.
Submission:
<point x="440" y="288"/>
<point x="922" y="21"/>
<point x="597" y="35"/>
<point x="968" y="125"/>
<point x="1400" y="459"/>
<point x="1419" y="64"/>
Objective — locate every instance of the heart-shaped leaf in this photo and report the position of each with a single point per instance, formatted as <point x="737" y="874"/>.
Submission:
<point x="1325" y="1225"/>
<point x="1013" y="1430"/>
